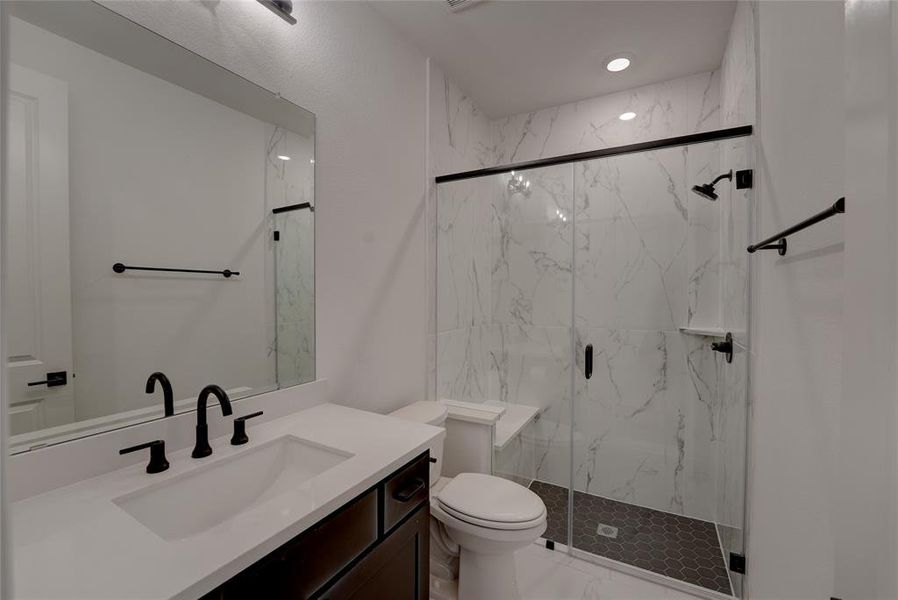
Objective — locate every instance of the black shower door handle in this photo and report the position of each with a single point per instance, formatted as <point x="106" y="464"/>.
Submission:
<point x="588" y="369"/>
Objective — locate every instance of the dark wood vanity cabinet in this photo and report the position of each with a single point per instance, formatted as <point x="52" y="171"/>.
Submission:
<point x="376" y="547"/>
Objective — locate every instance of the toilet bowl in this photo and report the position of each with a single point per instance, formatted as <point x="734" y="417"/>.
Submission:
<point x="477" y="523"/>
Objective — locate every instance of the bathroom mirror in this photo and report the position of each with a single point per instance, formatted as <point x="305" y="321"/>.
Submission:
<point x="159" y="217"/>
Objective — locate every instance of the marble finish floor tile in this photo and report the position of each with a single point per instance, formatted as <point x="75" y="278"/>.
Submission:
<point x="672" y="545"/>
<point x="549" y="575"/>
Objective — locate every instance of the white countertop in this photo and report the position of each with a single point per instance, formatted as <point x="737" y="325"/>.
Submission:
<point x="75" y="543"/>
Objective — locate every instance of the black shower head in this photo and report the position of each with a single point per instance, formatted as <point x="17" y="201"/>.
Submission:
<point x="706" y="190"/>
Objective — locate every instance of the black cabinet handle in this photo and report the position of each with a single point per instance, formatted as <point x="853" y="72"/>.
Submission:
<point x="55" y="379"/>
<point x="410" y="491"/>
<point x="588" y="369"/>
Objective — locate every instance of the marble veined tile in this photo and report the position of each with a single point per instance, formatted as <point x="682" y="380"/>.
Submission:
<point x="463" y="253"/>
<point x="730" y="493"/>
<point x="462" y="359"/>
<point x="631" y="415"/>
<point x="530" y="364"/>
<point x="738" y="85"/>
<point x="531" y="249"/>
<point x="671" y="108"/>
<point x="737" y="234"/>
<point x="631" y="242"/>
<point x="460" y="132"/>
<point x="704" y="241"/>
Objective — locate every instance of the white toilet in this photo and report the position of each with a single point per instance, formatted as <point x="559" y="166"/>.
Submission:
<point x="477" y="522"/>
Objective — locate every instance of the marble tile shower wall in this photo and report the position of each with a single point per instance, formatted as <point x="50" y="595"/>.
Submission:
<point x="677" y="107"/>
<point x="458" y="140"/>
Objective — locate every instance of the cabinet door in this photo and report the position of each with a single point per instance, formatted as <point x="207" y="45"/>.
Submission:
<point x="397" y="569"/>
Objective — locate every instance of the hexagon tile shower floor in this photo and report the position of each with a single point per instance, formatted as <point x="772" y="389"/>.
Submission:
<point x="672" y="545"/>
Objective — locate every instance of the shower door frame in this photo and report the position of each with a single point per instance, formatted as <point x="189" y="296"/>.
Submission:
<point x="745" y="131"/>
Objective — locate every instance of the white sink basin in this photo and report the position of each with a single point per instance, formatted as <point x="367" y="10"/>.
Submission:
<point x="195" y="501"/>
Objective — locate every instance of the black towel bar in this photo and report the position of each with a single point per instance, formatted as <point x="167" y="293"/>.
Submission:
<point x="121" y="268"/>
<point x="781" y="246"/>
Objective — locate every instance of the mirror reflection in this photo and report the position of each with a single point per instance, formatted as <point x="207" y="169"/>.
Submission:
<point x="160" y="219"/>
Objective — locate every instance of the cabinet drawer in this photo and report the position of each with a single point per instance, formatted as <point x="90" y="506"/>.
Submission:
<point x="324" y="551"/>
<point x="405" y="491"/>
<point x="397" y="569"/>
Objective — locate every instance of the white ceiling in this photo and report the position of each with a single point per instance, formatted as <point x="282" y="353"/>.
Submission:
<point x="515" y="56"/>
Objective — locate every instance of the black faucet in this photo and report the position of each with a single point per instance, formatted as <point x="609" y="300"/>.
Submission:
<point x="169" y="398"/>
<point x="202" y="447"/>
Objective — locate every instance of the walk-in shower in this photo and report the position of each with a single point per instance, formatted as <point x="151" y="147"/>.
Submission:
<point x="641" y="465"/>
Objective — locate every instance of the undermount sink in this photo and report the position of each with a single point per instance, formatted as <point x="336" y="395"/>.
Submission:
<point x="211" y="494"/>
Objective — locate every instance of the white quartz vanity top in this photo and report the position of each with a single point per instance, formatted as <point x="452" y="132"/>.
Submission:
<point x="75" y="543"/>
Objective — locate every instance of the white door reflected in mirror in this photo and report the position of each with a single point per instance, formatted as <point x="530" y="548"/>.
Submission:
<point x="39" y="333"/>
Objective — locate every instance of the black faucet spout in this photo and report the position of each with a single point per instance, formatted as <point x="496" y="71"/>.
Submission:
<point x="168" y="396"/>
<point x="202" y="447"/>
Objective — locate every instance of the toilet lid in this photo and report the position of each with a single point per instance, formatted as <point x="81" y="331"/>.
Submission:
<point x="491" y="501"/>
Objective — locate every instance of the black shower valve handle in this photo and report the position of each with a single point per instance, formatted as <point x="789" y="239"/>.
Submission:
<point x="725" y="347"/>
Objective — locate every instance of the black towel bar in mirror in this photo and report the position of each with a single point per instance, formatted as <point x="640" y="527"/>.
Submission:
<point x="121" y="268"/>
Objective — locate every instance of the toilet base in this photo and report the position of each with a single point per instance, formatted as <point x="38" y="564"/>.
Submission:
<point x="487" y="576"/>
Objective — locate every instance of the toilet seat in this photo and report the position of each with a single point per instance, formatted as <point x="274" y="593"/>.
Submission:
<point x="500" y="525"/>
<point x="491" y="502"/>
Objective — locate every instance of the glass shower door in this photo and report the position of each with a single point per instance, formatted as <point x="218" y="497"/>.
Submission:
<point x="658" y="428"/>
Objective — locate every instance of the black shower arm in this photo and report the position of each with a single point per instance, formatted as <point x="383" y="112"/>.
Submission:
<point x="728" y="175"/>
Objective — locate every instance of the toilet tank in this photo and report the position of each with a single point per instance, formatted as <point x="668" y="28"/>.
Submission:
<point x="430" y="413"/>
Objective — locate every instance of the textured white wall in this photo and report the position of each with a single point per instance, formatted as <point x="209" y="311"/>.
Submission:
<point x="797" y="302"/>
<point x="367" y="87"/>
<point x="866" y="498"/>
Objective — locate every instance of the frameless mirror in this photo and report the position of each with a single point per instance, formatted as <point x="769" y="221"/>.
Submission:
<point x="159" y="218"/>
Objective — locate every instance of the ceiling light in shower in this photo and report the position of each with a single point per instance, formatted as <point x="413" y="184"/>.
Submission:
<point x="617" y="64"/>
<point x="283" y="157"/>
<point x="627" y="116"/>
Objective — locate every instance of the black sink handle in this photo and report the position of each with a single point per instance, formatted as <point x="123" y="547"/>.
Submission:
<point x="240" y="437"/>
<point x="158" y="462"/>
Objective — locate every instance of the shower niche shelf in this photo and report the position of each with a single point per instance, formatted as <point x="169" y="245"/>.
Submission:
<point x="716" y="332"/>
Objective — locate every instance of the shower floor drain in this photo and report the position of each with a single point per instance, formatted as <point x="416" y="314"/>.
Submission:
<point x="607" y="531"/>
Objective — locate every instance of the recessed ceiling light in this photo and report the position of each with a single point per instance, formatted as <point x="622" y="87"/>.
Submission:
<point x="618" y="63"/>
<point x="283" y="157"/>
<point x="627" y="116"/>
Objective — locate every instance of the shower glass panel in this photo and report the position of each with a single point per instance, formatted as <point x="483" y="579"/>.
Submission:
<point x="290" y="190"/>
<point x="294" y="273"/>
<point x="504" y="255"/>
<point x="642" y="464"/>
<point x="661" y="423"/>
